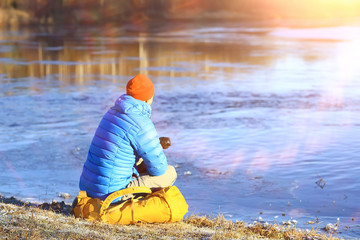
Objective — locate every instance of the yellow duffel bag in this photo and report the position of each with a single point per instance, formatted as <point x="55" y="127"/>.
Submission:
<point x="165" y="205"/>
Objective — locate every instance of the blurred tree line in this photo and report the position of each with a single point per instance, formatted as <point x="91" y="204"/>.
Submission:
<point x="117" y="11"/>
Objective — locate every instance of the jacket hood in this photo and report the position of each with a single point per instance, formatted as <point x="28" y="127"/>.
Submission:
<point x="128" y="105"/>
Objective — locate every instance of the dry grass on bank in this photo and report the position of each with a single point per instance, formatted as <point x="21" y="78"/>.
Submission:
<point x="30" y="222"/>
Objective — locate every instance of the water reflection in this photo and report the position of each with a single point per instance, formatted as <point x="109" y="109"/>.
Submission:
<point x="94" y="53"/>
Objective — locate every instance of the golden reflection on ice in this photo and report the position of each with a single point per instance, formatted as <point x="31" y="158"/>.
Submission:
<point x="73" y="61"/>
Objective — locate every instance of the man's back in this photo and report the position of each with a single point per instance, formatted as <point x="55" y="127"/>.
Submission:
<point x="124" y="134"/>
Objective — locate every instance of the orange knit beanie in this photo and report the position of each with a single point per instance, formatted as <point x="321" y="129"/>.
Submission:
<point x="140" y="87"/>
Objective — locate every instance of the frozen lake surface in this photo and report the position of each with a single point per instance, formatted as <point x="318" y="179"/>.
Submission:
<point x="266" y="119"/>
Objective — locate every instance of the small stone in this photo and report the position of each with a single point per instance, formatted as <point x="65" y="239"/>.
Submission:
<point x="64" y="195"/>
<point x="287" y="223"/>
<point x="283" y="214"/>
<point x="177" y="166"/>
<point x="310" y="222"/>
<point x="329" y="227"/>
<point x="187" y="173"/>
<point x="321" y="183"/>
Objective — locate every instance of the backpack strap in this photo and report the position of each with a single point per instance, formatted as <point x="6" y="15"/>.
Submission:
<point x="117" y="194"/>
<point x="82" y="194"/>
<point x="132" y="211"/>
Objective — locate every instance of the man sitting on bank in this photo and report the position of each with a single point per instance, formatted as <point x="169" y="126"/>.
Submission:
<point x="126" y="151"/>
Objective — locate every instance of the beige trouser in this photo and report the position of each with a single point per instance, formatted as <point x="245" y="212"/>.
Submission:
<point x="146" y="180"/>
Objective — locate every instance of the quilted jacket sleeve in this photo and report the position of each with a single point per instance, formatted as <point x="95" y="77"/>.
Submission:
<point x="148" y="146"/>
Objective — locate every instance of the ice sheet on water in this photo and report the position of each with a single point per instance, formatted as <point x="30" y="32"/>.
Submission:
<point x="254" y="117"/>
<point x="341" y="33"/>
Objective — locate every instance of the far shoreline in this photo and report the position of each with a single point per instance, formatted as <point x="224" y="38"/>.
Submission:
<point x="17" y="19"/>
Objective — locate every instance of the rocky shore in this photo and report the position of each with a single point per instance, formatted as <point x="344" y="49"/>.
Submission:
<point x="21" y="220"/>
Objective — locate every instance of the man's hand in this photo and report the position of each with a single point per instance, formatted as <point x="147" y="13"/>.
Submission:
<point x="165" y="142"/>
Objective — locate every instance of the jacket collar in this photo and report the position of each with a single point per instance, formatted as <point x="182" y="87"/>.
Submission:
<point x="128" y="105"/>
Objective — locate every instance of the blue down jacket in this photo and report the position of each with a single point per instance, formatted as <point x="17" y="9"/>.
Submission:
<point x="124" y="134"/>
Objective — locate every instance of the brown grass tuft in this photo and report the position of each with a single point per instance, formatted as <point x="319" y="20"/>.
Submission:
<point x="30" y="222"/>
